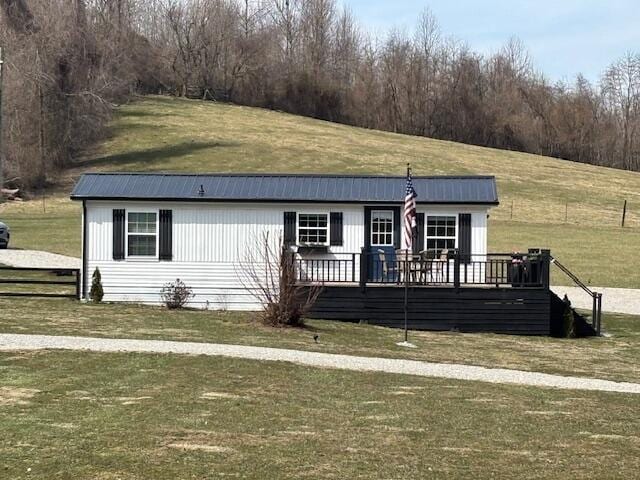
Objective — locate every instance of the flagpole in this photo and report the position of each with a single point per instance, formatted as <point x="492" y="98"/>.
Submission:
<point x="406" y="283"/>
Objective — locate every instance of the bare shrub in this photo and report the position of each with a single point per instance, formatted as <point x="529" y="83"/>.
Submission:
<point x="176" y="294"/>
<point x="268" y="272"/>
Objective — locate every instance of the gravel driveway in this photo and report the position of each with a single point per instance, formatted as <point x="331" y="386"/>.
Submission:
<point x="37" y="259"/>
<point x="617" y="300"/>
<point x="16" y="342"/>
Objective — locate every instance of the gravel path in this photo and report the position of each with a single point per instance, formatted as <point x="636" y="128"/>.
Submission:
<point x="617" y="300"/>
<point x="16" y="342"/>
<point x="37" y="259"/>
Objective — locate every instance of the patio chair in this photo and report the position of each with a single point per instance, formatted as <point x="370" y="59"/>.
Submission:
<point x="426" y="267"/>
<point x="440" y="263"/>
<point x="382" y="261"/>
<point x="405" y="260"/>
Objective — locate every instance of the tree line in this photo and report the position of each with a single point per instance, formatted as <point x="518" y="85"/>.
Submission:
<point x="69" y="61"/>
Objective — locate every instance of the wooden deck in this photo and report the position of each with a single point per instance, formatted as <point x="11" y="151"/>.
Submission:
<point x="466" y="309"/>
<point x="498" y="293"/>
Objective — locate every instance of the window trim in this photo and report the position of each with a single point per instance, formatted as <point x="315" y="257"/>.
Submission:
<point x="393" y="226"/>
<point x="328" y="228"/>
<point x="438" y="237"/>
<point x="126" y="234"/>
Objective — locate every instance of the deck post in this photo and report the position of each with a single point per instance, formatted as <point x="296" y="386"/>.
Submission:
<point x="353" y="267"/>
<point x="456" y="269"/>
<point x="598" y="330"/>
<point x="364" y="269"/>
<point x="545" y="267"/>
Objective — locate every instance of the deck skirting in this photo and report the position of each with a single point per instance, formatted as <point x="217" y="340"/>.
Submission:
<point x="498" y="310"/>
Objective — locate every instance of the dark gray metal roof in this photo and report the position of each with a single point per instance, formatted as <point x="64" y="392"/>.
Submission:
<point x="283" y="188"/>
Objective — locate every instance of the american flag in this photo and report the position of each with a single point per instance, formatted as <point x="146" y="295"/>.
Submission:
<point x="409" y="213"/>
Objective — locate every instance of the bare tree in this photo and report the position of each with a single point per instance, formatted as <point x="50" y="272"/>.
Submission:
<point x="19" y="16"/>
<point x="70" y="61"/>
<point x="621" y="87"/>
<point x="268" y="272"/>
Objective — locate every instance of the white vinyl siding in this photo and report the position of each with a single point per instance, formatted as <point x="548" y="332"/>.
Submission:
<point x="210" y="243"/>
<point x="212" y="240"/>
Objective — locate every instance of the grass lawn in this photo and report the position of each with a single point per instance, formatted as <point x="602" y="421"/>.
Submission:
<point x="616" y="358"/>
<point x="56" y="228"/>
<point x="600" y="256"/>
<point x="136" y="416"/>
<point x="573" y="208"/>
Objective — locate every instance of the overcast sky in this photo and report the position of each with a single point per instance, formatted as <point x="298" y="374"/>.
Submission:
<point x="564" y="37"/>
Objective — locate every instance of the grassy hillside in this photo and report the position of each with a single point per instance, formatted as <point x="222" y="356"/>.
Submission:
<point x="572" y="208"/>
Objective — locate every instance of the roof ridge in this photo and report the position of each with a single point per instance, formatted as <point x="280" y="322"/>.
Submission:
<point x="287" y="175"/>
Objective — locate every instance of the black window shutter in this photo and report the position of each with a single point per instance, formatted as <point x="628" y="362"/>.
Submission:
<point x="290" y="228"/>
<point x="118" y="234"/>
<point x="166" y="235"/>
<point x="336" y="229"/>
<point x="464" y="237"/>
<point x="418" y="244"/>
<point x="397" y="234"/>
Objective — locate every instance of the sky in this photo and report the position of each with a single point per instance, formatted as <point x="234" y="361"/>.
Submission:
<point x="564" y="37"/>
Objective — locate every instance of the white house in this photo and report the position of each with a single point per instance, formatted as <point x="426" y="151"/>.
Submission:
<point x="145" y="230"/>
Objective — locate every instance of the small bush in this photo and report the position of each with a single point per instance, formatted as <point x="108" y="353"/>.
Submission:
<point x="176" y="294"/>
<point x="96" y="293"/>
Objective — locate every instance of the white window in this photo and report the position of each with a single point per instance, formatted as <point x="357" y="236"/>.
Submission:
<point x="142" y="234"/>
<point x="382" y="228"/>
<point x="313" y="229"/>
<point x="441" y="233"/>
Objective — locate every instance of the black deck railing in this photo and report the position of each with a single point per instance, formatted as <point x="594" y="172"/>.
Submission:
<point x="530" y="270"/>
<point x="596" y="297"/>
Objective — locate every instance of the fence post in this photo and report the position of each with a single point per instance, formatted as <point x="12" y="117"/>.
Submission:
<point x="545" y="267"/>
<point x="624" y="212"/>
<point x="78" y="288"/>
<point x="456" y="269"/>
<point x="599" y="314"/>
<point x="364" y="269"/>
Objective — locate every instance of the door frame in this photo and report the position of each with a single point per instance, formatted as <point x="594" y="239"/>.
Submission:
<point x="367" y="224"/>
<point x="371" y="262"/>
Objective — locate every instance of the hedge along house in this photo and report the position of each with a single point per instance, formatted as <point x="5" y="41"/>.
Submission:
<point x="145" y="230"/>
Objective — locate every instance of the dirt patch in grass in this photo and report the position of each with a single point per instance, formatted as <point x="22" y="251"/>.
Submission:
<point x="381" y="418"/>
<point x="612" y="436"/>
<point x="547" y="412"/>
<point x="201" y="447"/>
<point x="217" y="395"/>
<point x="132" y="400"/>
<point x="16" y="395"/>
<point x="461" y="449"/>
<point x="64" y="425"/>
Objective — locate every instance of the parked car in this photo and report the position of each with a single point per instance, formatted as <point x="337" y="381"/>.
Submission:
<point x="4" y="235"/>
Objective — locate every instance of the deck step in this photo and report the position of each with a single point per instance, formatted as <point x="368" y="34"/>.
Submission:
<point x="583" y="323"/>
